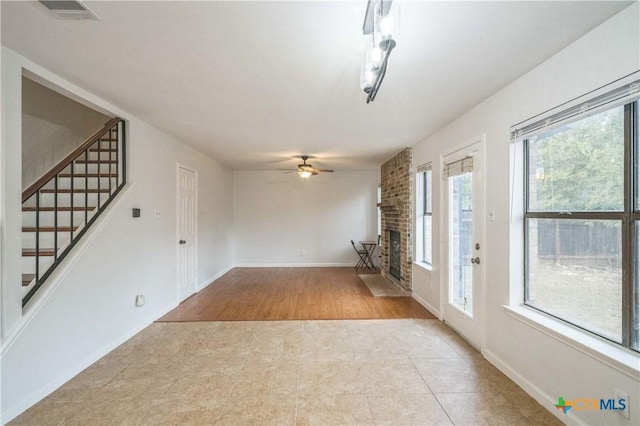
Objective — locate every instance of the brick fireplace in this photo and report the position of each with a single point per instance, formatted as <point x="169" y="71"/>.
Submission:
<point x="395" y="187"/>
<point x="395" y="254"/>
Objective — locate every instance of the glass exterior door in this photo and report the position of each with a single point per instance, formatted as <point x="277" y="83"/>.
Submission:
<point x="461" y="242"/>
<point x="463" y="192"/>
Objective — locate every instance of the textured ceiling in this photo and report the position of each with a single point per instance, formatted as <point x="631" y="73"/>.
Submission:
<point x="254" y="83"/>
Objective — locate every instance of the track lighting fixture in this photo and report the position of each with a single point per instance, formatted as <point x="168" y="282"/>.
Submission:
<point x="378" y="30"/>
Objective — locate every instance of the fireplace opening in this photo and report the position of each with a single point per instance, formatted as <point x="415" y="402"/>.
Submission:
<point x="394" y="254"/>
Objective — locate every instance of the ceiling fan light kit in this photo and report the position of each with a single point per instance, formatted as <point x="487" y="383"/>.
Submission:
<point x="305" y="170"/>
<point x="378" y="31"/>
<point x="305" y="174"/>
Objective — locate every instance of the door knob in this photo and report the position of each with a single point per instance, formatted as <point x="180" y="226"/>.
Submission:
<point x="182" y="242"/>
<point x="475" y="260"/>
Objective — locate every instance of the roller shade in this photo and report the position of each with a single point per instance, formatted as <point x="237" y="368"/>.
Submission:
<point x="464" y="165"/>
<point x="424" y="168"/>
<point x="614" y="94"/>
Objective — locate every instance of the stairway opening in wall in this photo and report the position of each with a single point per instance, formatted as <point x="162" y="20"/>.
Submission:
<point x="394" y="254"/>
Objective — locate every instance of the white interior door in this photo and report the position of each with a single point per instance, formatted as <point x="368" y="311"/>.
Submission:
<point x="463" y="241"/>
<point x="187" y="232"/>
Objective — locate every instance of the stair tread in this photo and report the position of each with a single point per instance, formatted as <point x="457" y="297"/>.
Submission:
<point x="96" y="162"/>
<point x="103" y="150"/>
<point x="49" y="229"/>
<point x="41" y="252"/>
<point x="91" y="175"/>
<point x="27" y="278"/>
<point x="62" y="209"/>
<point x="76" y="191"/>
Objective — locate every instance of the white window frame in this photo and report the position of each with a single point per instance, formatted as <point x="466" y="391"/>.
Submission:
<point x="621" y="358"/>
<point x="424" y="209"/>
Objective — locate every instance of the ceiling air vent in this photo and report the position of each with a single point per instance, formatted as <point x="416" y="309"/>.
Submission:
<point x="69" y="9"/>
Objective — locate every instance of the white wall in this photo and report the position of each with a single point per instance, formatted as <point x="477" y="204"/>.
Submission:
<point x="90" y="302"/>
<point x="276" y="216"/>
<point x="426" y="288"/>
<point x="52" y="126"/>
<point x="544" y="366"/>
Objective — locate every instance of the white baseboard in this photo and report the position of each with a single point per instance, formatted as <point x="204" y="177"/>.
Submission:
<point x="60" y="273"/>
<point x="36" y="396"/>
<point x="293" y="265"/>
<point x="535" y="392"/>
<point x="428" y="306"/>
<point x="210" y="280"/>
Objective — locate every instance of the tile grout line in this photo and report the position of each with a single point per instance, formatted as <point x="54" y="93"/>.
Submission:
<point x="150" y="411"/>
<point x="397" y="330"/>
<point x="366" y="397"/>
<point x="443" y="409"/>
<point x="461" y="355"/>
<point x="431" y="390"/>
<point x="373" y="419"/>
<point x="235" y="382"/>
<point x="295" y="414"/>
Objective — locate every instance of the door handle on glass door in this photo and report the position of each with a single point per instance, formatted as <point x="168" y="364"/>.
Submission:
<point x="182" y="242"/>
<point x="475" y="260"/>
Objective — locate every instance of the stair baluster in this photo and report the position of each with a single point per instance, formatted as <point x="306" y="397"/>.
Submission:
<point x="113" y="134"/>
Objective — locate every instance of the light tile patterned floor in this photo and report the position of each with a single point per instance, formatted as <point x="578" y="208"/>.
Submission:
<point x="364" y="372"/>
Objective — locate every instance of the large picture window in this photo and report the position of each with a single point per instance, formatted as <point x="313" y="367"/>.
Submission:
<point x="424" y="214"/>
<point x="582" y="222"/>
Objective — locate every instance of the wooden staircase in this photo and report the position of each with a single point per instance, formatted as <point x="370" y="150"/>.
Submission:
<point x="60" y="207"/>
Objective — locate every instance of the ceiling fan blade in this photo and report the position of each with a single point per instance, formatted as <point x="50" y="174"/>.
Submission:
<point x="305" y="168"/>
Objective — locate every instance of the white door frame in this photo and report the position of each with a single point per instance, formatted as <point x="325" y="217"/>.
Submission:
<point x="475" y="144"/>
<point x="195" y="244"/>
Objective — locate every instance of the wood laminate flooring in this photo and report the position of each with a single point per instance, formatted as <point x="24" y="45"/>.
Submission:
<point x="259" y="294"/>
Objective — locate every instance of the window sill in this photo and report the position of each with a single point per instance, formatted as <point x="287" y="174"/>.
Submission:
<point x="621" y="359"/>
<point x="425" y="266"/>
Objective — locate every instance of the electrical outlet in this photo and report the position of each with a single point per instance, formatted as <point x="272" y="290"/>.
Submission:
<point x="622" y="398"/>
<point x="302" y="252"/>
